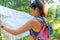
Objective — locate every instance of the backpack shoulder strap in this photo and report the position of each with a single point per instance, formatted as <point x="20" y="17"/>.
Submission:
<point x="41" y="19"/>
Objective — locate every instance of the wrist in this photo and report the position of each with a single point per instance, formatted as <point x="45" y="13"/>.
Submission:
<point x="2" y="26"/>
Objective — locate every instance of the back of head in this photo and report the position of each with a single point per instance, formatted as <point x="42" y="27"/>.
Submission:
<point x="41" y="7"/>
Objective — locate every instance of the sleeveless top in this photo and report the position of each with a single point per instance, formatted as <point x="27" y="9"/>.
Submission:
<point x="36" y="33"/>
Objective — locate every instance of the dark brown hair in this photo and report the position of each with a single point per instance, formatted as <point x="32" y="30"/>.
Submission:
<point x="40" y="6"/>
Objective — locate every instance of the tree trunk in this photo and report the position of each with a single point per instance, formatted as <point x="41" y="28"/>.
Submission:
<point x="5" y="3"/>
<point x="12" y="3"/>
<point x="43" y="0"/>
<point x="57" y="12"/>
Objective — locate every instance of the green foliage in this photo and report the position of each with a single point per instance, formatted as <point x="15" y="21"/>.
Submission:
<point x="23" y="5"/>
<point x="0" y="37"/>
<point x="0" y="31"/>
<point x="51" y="13"/>
<point x="24" y="38"/>
<point x="56" y="29"/>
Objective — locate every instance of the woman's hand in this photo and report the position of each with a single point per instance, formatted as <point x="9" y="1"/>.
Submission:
<point x="50" y="38"/>
<point x="0" y="23"/>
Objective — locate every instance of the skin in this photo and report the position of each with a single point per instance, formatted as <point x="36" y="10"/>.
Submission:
<point x="31" y="24"/>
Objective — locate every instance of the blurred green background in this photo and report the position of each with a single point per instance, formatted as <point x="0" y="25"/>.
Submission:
<point x="53" y="7"/>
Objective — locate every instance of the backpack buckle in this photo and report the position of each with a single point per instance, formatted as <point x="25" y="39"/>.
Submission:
<point x="39" y="38"/>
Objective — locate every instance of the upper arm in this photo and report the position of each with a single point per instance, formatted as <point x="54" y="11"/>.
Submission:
<point x="25" y="27"/>
<point x="29" y="25"/>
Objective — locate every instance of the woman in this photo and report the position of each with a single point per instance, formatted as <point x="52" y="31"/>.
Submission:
<point x="37" y="9"/>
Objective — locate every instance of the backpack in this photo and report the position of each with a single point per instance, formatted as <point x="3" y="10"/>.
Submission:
<point x="45" y="31"/>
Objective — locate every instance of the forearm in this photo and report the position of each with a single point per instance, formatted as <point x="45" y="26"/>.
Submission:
<point x="14" y="32"/>
<point x="20" y="30"/>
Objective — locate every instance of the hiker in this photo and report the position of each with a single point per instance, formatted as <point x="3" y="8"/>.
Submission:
<point x="38" y="10"/>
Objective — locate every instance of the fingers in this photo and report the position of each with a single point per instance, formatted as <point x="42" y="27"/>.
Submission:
<point x="0" y="22"/>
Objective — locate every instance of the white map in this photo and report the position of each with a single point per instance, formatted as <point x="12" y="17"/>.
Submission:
<point x="14" y="19"/>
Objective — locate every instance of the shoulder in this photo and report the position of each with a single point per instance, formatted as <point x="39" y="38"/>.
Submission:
<point x="46" y="20"/>
<point x="33" y="21"/>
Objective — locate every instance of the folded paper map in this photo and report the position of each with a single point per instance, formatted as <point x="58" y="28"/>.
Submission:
<point x="13" y="19"/>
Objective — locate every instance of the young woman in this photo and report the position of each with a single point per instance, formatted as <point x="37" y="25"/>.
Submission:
<point x="37" y="9"/>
